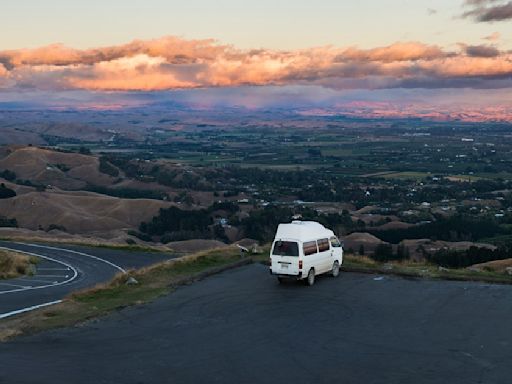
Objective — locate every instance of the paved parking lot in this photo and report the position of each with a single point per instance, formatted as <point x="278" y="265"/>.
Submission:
<point x="242" y="327"/>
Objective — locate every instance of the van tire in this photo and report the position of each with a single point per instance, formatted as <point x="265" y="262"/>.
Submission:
<point x="310" y="279"/>
<point x="335" y="272"/>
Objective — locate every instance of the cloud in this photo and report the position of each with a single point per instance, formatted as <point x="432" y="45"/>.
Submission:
<point x="488" y="10"/>
<point x="482" y="51"/>
<point x="493" y="37"/>
<point x="172" y="63"/>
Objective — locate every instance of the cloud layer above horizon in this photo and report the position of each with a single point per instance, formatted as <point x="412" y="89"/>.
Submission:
<point x="489" y="10"/>
<point x="173" y="63"/>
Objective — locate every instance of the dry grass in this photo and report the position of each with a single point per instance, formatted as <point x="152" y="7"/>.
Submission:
<point x="353" y="259"/>
<point x="14" y="264"/>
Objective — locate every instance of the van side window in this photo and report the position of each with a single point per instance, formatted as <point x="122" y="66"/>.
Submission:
<point x="309" y="248"/>
<point x="323" y="245"/>
<point x="335" y="243"/>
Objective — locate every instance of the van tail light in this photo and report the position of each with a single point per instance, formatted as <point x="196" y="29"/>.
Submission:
<point x="300" y="264"/>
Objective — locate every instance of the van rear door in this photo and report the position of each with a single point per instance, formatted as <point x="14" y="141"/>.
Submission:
<point x="285" y="257"/>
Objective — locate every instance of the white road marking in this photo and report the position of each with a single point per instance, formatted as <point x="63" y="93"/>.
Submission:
<point x="53" y="269"/>
<point x="16" y="285"/>
<point x="27" y="309"/>
<point x="36" y="280"/>
<point x="75" y="272"/>
<point x="65" y="276"/>
<point x="77" y="253"/>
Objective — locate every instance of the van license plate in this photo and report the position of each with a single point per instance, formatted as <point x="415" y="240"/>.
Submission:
<point x="284" y="266"/>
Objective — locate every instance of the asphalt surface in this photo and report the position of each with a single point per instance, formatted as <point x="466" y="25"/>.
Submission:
<point x="64" y="270"/>
<point x="241" y="326"/>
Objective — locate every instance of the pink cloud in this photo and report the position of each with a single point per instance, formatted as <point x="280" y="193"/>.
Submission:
<point x="174" y="63"/>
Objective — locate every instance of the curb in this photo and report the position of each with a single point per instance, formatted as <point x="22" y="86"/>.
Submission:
<point x="210" y="272"/>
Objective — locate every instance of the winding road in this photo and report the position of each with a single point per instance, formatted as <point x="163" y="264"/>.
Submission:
<point x="62" y="270"/>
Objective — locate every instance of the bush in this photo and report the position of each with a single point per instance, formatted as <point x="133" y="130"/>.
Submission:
<point x="140" y="236"/>
<point x="128" y="193"/>
<point x="6" y="193"/>
<point x="8" y="175"/>
<point x="107" y="168"/>
<point x="6" y="222"/>
<point x="84" y="151"/>
<point x="57" y="227"/>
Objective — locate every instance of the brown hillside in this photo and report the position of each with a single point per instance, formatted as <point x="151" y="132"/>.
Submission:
<point x="42" y="166"/>
<point x="79" y="212"/>
<point x="367" y="240"/>
<point x="504" y="266"/>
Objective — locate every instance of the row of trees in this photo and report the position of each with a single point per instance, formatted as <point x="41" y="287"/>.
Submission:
<point x="449" y="258"/>
<point x="455" y="228"/>
<point x="384" y="253"/>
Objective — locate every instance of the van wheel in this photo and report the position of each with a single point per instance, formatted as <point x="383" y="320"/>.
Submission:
<point x="310" y="280"/>
<point x="335" y="272"/>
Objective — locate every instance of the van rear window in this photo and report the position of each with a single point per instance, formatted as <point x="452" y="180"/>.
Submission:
<point x="309" y="248"/>
<point x="286" y="248"/>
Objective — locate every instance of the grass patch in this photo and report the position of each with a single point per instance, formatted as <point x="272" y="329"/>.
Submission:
<point x="153" y="282"/>
<point x="13" y="264"/>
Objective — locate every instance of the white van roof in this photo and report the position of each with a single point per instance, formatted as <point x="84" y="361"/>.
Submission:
<point x="302" y="231"/>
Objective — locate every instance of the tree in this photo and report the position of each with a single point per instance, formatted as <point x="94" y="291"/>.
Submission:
<point x="383" y="252"/>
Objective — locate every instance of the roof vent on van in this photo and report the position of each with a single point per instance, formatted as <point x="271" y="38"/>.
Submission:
<point x="296" y="222"/>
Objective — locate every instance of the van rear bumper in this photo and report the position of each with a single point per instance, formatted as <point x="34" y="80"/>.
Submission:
<point x="297" y="276"/>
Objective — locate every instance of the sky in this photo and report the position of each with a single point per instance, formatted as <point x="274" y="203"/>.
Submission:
<point x="401" y="50"/>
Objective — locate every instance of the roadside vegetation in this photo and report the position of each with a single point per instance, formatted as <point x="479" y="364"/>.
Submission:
<point x="14" y="264"/>
<point x="424" y="270"/>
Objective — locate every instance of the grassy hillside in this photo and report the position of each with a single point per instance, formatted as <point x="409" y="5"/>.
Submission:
<point x="60" y="169"/>
<point x="78" y="212"/>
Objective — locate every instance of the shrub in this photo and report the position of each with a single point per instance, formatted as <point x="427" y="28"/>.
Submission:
<point x="6" y="193"/>
<point x="57" y="227"/>
<point x="8" y="175"/>
<point x="107" y="168"/>
<point x="7" y="222"/>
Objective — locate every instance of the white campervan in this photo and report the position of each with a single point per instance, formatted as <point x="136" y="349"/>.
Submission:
<point x="304" y="249"/>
